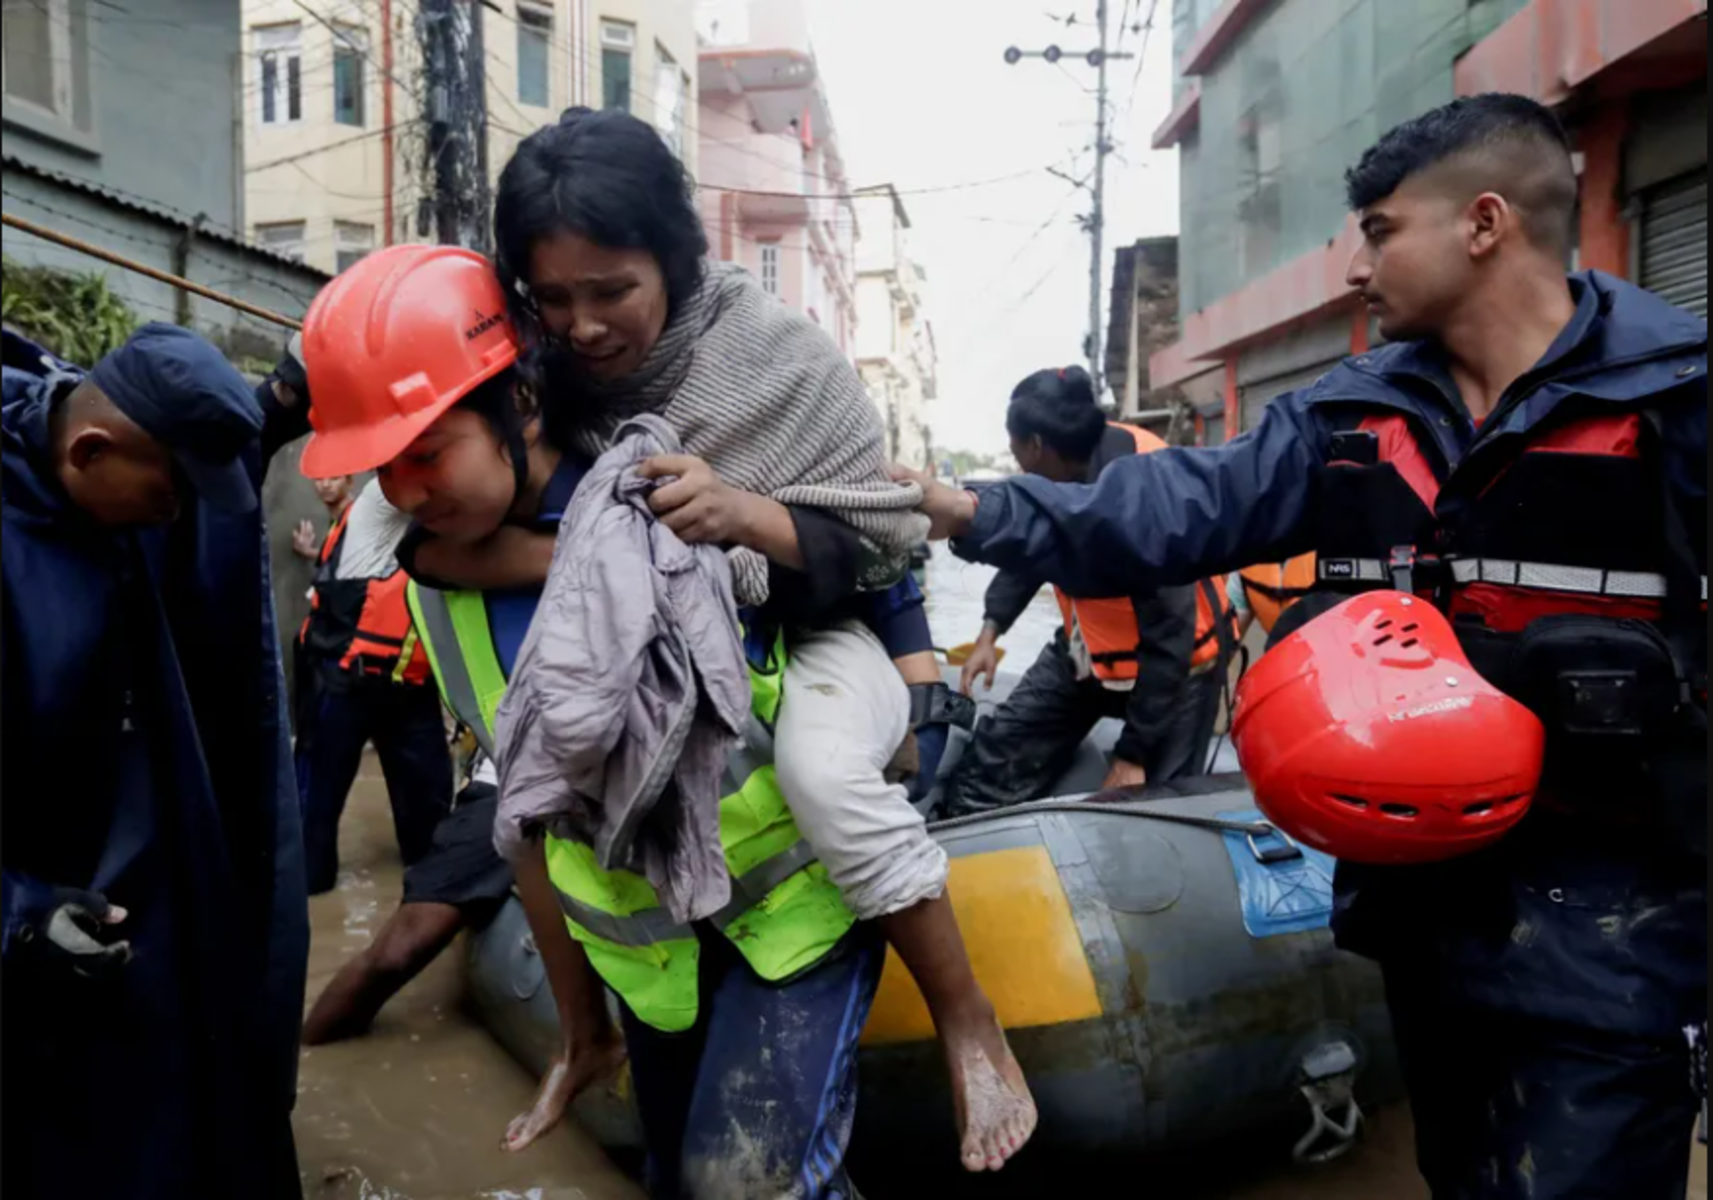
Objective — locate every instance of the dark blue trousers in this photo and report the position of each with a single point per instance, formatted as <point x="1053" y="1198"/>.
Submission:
<point x="759" y="1097"/>
<point x="405" y="724"/>
<point x="1510" y="1107"/>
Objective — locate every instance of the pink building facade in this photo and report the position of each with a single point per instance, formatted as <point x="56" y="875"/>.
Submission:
<point x="772" y="185"/>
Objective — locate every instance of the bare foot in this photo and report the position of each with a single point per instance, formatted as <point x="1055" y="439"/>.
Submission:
<point x="996" y="1114"/>
<point x="564" y="1082"/>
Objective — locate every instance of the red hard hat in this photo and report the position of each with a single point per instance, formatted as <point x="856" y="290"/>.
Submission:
<point x="1367" y="734"/>
<point x="392" y="343"/>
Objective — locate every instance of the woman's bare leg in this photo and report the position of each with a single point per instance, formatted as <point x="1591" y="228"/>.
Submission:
<point x="590" y="1047"/>
<point x="844" y="713"/>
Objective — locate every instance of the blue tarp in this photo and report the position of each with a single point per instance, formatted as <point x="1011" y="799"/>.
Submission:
<point x="1293" y="895"/>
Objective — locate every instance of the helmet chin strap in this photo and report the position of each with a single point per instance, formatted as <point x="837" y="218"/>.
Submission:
<point x="518" y="449"/>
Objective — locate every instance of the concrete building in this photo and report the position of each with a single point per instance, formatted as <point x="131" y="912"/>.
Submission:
<point x="894" y="339"/>
<point x="126" y="133"/>
<point x="773" y="188"/>
<point x="1276" y="98"/>
<point x="332" y="122"/>
<point x="1144" y="321"/>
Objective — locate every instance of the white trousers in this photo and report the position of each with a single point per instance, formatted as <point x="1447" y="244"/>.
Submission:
<point x="844" y="712"/>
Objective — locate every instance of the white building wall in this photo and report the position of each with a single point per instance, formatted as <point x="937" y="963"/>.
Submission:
<point x="329" y="177"/>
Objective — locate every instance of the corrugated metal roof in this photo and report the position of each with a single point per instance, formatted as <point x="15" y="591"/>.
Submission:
<point x="160" y="212"/>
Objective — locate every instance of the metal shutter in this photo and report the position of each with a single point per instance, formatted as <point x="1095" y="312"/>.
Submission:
<point x="1674" y="242"/>
<point x="1256" y="396"/>
<point x="1213" y="431"/>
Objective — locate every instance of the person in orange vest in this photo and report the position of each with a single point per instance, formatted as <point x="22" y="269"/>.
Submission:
<point x="366" y="679"/>
<point x="1154" y="660"/>
<point x="1265" y="592"/>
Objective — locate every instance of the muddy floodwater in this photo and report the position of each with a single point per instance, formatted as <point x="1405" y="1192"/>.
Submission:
<point x="415" y="1110"/>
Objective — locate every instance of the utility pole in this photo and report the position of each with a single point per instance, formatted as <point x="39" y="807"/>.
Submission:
<point x="455" y="86"/>
<point x="1097" y="223"/>
<point x="1097" y="58"/>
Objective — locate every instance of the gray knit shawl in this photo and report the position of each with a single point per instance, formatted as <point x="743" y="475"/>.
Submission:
<point x="764" y="396"/>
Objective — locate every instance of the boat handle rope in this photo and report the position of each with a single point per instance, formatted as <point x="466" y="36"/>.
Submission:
<point x="1252" y="831"/>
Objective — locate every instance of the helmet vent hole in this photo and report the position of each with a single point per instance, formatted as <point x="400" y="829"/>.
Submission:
<point x="1411" y="627"/>
<point x="1400" y="810"/>
<point x="1383" y="640"/>
<point x="1479" y="807"/>
<point x="1386" y="624"/>
<point x="1413" y="642"/>
<point x="1352" y="801"/>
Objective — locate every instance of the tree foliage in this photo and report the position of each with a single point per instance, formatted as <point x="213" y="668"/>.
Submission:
<point x="76" y="316"/>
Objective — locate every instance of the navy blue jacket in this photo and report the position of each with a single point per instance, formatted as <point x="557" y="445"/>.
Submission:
<point x="1178" y="515"/>
<point x="1183" y="514"/>
<point x="143" y="706"/>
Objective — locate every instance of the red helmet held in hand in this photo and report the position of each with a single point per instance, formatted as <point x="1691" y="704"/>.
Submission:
<point x="1366" y="734"/>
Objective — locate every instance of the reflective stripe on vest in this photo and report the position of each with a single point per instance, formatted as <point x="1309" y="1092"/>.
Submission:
<point x="752" y="887"/>
<point x="1108" y="627"/>
<point x="649" y="927"/>
<point x="785" y="914"/>
<point x="454" y="632"/>
<point x="1548" y="577"/>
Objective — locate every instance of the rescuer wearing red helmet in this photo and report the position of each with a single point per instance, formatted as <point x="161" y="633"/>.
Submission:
<point x="1527" y="454"/>
<point x="411" y="360"/>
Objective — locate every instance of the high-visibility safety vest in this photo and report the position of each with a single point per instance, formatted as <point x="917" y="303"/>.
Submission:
<point x="785" y="914"/>
<point x="1271" y="588"/>
<point x="1108" y="627"/>
<point x="363" y="625"/>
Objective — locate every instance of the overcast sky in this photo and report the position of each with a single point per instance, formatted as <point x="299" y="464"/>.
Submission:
<point x="922" y="98"/>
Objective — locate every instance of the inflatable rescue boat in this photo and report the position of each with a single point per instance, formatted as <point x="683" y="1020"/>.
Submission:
<point x="1163" y="967"/>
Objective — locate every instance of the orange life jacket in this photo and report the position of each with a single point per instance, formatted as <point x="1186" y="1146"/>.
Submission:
<point x="1108" y="627"/>
<point x="1271" y="588"/>
<point x="363" y="625"/>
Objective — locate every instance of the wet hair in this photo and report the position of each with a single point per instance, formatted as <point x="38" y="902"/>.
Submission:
<point x="1500" y="143"/>
<point x="606" y="176"/>
<point x="1058" y="406"/>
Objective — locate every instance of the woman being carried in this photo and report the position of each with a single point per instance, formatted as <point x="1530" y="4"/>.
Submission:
<point x="603" y="258"/>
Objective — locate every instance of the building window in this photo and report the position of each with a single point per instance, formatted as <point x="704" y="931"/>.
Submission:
<point x="618" y="45"/>
<point x="350" y="53"/>
<point x="534" y="36"/>
<point x="284" y="237"/>
<point x="351" y="242"/>
<point x="46" y="64"/>
<point x="670" y="88"/>
<point x="770" y="268"/>
<point x="280" y="51"/>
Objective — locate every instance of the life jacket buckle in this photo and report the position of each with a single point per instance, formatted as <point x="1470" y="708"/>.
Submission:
<point x="1401" y="566"/>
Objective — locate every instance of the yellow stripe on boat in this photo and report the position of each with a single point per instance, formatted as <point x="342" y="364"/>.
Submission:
<point x="1023" y="943"/>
